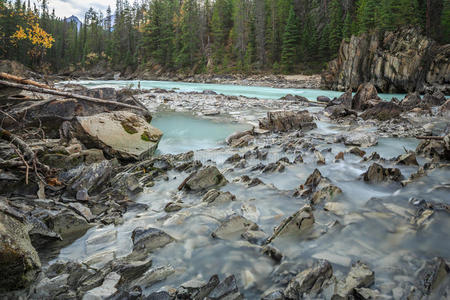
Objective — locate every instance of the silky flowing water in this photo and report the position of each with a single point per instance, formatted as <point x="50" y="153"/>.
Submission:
<point x="225" y="89"/>
<point x="374" y="225"/>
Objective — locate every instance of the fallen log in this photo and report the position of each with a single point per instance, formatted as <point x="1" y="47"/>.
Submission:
<point x="67" y="95"/>
<point x="23" y="80"/>
<point x="438" y="138"/>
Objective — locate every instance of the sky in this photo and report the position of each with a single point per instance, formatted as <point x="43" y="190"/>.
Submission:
<point x="67" y="8"/>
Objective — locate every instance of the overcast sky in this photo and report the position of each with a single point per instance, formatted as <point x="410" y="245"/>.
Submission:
<point x="66" y="8"/>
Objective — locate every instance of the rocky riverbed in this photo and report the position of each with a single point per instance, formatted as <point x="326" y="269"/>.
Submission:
<point x="329" y="199"/>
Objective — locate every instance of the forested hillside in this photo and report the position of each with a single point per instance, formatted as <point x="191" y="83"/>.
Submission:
<point x="221" y="36"/>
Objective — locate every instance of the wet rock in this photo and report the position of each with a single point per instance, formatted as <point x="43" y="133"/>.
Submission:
<point x="310" y="281"/>
<point x="365" y="97"/>
<point x="339" y="156"/>
<point x="337" y="112"/>
<point x="411" y="101"/>
<point x="147" y="240"/>
<point x="298" y="223"/>
<point x="376" y="174"/>
<point x="240" y="139"/>
<point x="444" y="109"/>
<point x="435" y="149"/>
<point x="216" y="196"/>
<point x="173" y="207"/>
<point x="357" y="151"/>
<point x="273" y="295"/>
<point x="227" y="289"/>
<point x="407" y="159"/>
<point x="319" y="187"/>
<point x="435" y="272"/>
<point x="287" y="120"/>
<point x="82" y="210"/>
<point x="336" y="208"/>
<point x="234" y="226"/>
<point x="374" y="156"/>
<point x="19" y="261"/>
<point x="383" y="111"/>
<point x="273" y="253"/>
<point x="196" y="290"/>
<point x="153" y="276"/>
<point x="323" y="99"/>
<point x="90" y="178"/>
<point x="345" y="99"/>
<point x="298" y="159"/>
<point x="233" y="159"/>
<point x="360" y="276"/>
<point x="360" y="139"/>
<point x="206" y="178"/>
<point x="131" y="270"/>
<point x="107" y="289"/>
<point x="366" y="294"/>
<point x="277" y="167"/>
<point x="67" y="223"/>
<point x="319" y="158"/>
<point x="435" y="99"/>
<point x="254" y="236"/>
<point x="120" y="134"/>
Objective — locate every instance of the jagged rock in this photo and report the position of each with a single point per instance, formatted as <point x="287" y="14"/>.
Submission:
<point x="444" y="109"/>
<point x="233" y="159"/>
<point x="89" y="178"/>
<point x="309" y="281"/>
<point x="412" y="100"/>
<point x="435" y="99"/>
<point x="107" y="289"/>
<point x="131" y="270"/>
<point x="227" y="289"/>
<point x="432" y="275"/>
<point x="287" y="120"/>
<point x="376" y="173"/>
<point x="345" y="99"/>
<point x="153" y="276"/>
<point x="239" y="138"/>
<point x="147" y="240"/>
<point x="360" y="276"/>
<point x="67" y="223"/>
<point x="197" y="290"/>
<point x="216" y="196"/>
<point x="366" y="294"/>
<point x="435" y="149"/>
<point x="274" y="167"/>
<point x="206" y="178"/>
<point x="19" y="261"/>
<point x="339" y="156"/>
<point x="120" y="134"/>
<point x="234" y="226"/>
<point x="403" y="60"/>
<point x="365" y="97"/>
<point x="298" y="223"/>
<point x="357" y="151"/>
<point x="172" y="207"/>
<point x="337" y="112"/>
<point x="319" y="158"/>
<point x="383" y="111"/>
<point x="407" y="159"/>
<point x="320" y="187"/>
<point x="273" y="295"/>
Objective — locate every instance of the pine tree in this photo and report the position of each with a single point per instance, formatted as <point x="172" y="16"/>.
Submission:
<point x="347" y="29"/>
<point x="290" y="40"/>
<point x="386" y="15"/>
<point x="335" y="26"/>
<point x="445" y="22"/>
<point x="367" y="15"/>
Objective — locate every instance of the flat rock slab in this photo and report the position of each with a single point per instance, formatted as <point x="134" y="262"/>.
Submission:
<point x="120" y="134"/>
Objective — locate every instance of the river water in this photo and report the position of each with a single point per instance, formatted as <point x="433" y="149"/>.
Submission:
<point x="374" y="224"/>
<point x="225" y="89"/>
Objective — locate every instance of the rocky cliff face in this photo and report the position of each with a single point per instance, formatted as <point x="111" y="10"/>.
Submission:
<point x="400" y="61"/>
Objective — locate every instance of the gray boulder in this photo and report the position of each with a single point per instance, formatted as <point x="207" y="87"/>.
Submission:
<point x="283" y="121"/>
<point x="206" y="178"/>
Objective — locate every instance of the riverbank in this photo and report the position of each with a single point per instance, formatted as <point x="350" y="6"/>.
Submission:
<point x="248" y="217"/>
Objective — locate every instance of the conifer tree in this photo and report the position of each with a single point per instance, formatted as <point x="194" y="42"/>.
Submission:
<point x="290" y="40"/>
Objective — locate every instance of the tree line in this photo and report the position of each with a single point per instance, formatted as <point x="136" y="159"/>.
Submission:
<point x="220" y="36"/>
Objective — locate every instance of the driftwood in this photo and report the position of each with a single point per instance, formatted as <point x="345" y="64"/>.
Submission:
<point x="67" y="95"/>
<point x="438" y="138"/>
<point x="23" y="80"/>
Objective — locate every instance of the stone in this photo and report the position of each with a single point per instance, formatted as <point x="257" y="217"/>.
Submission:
<point x="359" y="276"/>
<point x="407" y="159"/>
<point x="215" y="196"/>
<point x="173" y="207"/>
<point x="339" y="156"/>
<point x="206" y="178"/>
<point x="309" y="281"/>
<point x="19" y="261"/>
<point x="82" y="210"/>
<point x="145" y="240"/>
<point x="66" y="223"/>
<point x="131" y="270"/>
<point x="236" y="138"/>
<point x="232" y="227"/>
<point x="272" y="252"/>
<point x="325" y="191"/>
<point x="412" y="100"/>
<point x="444" y="109"/>
<point x="377" y="174"/>
<point x="319" y="158"/>
<point x="366" y="294"/>
<point x="360" y="139"/>
<point x="323" y="99"/>
<point x="227" y="289"/>
<point x="283" y="121"/>
<point x="120" y="134"/>
<point x="366" y="97"/>
<point x="383" y="111"/>
<point x="432" y="275"/>
<point x="107" y="289"/>
<point x="153" y="276"/>
<point x="298" y="223"/>
<point x="337" y="112"/>
<point x="357" y="151"/>
<point x="233" y="159"/>
<point x="435" y="99"/>
<point x="335" y="208"/>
